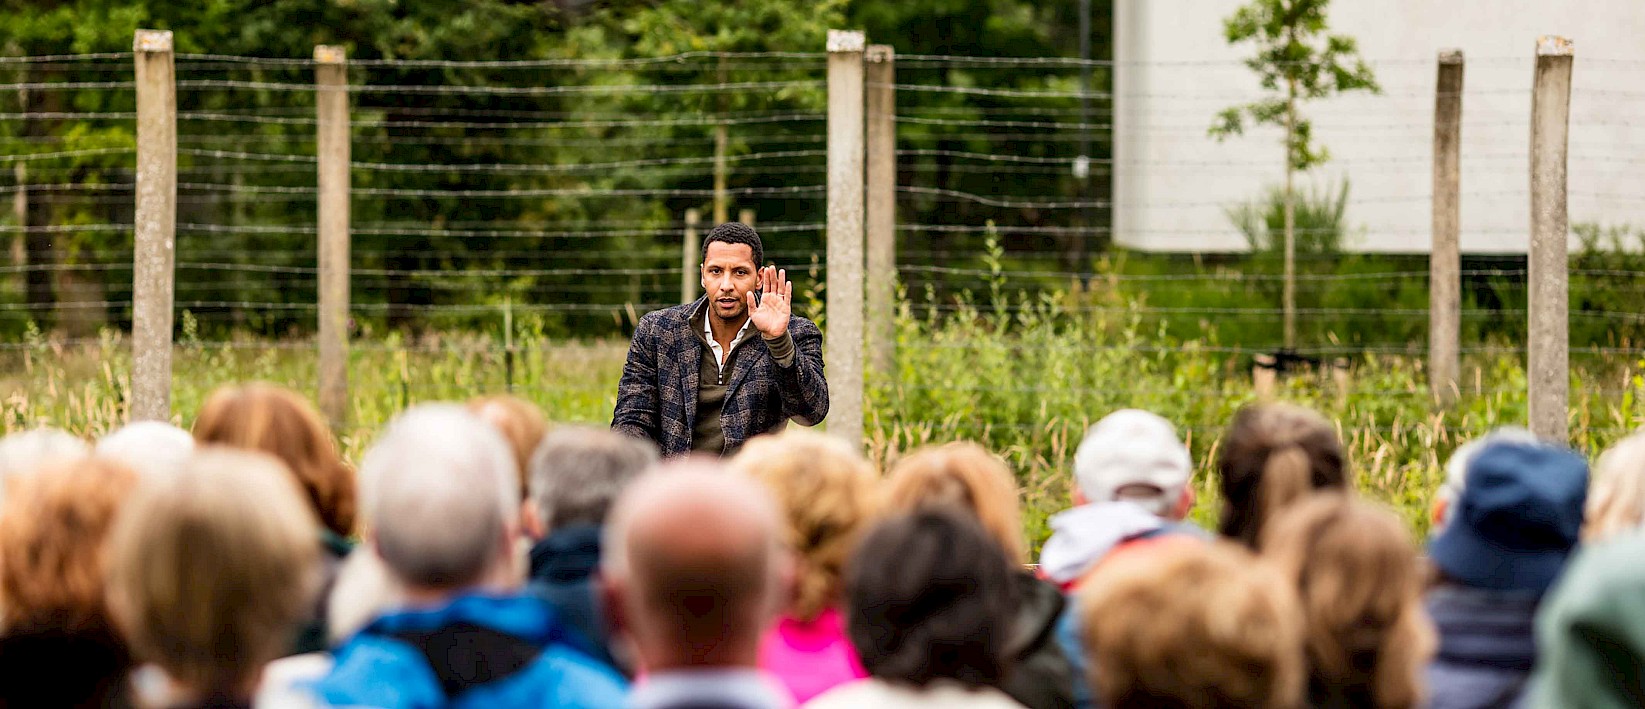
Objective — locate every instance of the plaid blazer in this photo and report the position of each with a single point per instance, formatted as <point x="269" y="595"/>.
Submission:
<point x="657" y="396"/>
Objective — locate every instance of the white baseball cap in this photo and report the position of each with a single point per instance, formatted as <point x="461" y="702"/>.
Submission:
<point x="1131" y="447"/>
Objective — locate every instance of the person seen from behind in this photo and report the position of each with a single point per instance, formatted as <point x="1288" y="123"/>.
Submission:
<point x="1591" y="631"/>
<point x="1359" y="582"/>
<point x="58" y="646"/>
<point x="441" y="490"/>
<point x="1131" y="477"/>
<point x="1616" y="497"/>
<point x="930" y="597"/>
<point x="576" y="475"/>
<point x="280" y="422"/>
<point x="827" y="493"/>
<point x="1131" y="492"/>
<point x="1511" y="530"/>
<point x="1205" y="627"/>
<point x="1273" y="456"/>
<point x="693" y="575"/>
<point x="211" y="571"/>
<point x="965" y="476"/>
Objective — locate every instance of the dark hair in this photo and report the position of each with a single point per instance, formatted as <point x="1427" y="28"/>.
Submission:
<point x="1273" y="456"/>
<point x="931" y="597"/>
<point x="737" y="233"/>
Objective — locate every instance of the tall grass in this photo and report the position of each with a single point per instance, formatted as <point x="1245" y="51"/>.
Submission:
<point x="1023" y="373"/>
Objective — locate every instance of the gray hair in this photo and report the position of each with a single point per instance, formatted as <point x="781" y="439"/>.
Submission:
<point x="439" y="490"/>
<point x="148" y="447"/>
<point x="576" y="473"/>
<point x="1456" y="467"/>
<point x="29" y="451"/>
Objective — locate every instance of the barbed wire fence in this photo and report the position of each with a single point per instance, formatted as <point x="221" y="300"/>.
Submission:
<point x="557" y="195"/>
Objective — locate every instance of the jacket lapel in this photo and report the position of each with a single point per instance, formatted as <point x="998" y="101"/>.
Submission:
<point x="689" y="361"/>
<point x="742" y="361"/>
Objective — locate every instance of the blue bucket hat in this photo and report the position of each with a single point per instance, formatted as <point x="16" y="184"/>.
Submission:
<point x="1517" y="520"/>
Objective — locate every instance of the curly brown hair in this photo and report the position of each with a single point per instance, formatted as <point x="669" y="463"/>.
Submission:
<point x="827" y="493"/>
<point x="277" y="421"/>
<point x="521" y="422"/>
<point x="53" y="530"/>
<point x="967" y="475"/>
<point x="1201" y="627"/>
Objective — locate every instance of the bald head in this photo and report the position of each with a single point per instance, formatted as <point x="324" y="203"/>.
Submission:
<point x="692" y="557"/>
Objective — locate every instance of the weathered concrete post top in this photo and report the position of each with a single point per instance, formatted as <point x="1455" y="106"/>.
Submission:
<point x="154" y="233"/>
<point x="843" y="345"/>
<point x="1548" y="369"/>
<point x="152" y="41"/>
<point x="847" y="40"/>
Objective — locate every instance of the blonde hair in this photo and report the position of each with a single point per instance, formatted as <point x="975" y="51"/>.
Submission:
<point x="211" y="569"/>
<point x="1203" y="627"/>
<point x="964" y="474"/>
<point x="520" y="422"/>
<point x="269" y="419"/>
<point x="1616" y="495"/>
<point x="826" y="491"/>
<point x="53" y="534"/>
<point x="1360" y="583"/>
<point x="1274" y="455"/>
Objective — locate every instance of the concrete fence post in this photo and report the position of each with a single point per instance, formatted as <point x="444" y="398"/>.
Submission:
<point x="155" y="238"/>
<point x="881" y="282"/>
<point x="1548" y="370"/>
<point x="331" y="106"/>
<point x="690" y="250"/>
<point x="1445" y="258"/>
<point x="843" y="344"/>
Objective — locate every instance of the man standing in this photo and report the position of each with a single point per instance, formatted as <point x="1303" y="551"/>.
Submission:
<point x="708" y="376"/>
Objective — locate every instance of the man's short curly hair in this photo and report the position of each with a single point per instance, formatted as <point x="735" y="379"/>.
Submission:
<point x="737" y="233"/>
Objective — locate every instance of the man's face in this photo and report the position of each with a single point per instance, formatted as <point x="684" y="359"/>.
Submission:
<point x="729" y="273"/>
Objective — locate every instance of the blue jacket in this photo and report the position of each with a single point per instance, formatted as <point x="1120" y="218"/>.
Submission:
<point x="563" y="569"/>
<point x="1486" y="646"/>
<point x="476" y="651"/>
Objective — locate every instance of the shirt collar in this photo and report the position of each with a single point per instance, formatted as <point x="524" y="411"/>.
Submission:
<point x="708" y="326"/>
<point x="740" y="687"/>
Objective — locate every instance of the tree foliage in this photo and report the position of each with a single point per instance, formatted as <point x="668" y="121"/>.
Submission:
<point x="448" y="248"/>
<point x="1296" y="59"/>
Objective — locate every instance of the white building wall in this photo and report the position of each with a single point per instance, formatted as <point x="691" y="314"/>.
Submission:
<point x="1174" y="72"/>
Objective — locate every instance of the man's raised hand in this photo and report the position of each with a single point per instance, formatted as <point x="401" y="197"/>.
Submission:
<point x="771" y="314"/>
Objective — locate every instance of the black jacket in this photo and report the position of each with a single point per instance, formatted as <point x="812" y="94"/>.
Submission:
<point x="1042" y="677"/>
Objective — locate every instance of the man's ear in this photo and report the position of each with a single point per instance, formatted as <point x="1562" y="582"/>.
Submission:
<point x="1441" y="506"/>
<point x="531" y="523"/>
<point x="1185" y="502"/>
<point x="1079" y="496"/>
<point x="611" y="591"/>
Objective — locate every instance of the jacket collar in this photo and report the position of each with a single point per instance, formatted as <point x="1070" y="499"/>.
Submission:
<point x="568" y="555"/>
<point x="523" y="616"/>
<point x="1483" y="626"/>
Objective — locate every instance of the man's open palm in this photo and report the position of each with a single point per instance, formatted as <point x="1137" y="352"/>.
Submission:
<point x="770" y="316"/>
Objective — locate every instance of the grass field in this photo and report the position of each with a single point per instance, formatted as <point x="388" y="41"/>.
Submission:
<point x="1026" y="382"/>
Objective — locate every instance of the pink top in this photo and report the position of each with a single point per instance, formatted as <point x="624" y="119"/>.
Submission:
<point x="810" y="658"/>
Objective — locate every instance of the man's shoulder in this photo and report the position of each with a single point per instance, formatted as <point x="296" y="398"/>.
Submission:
<point x="675" y="315"/>
<point x="799" y="325"/>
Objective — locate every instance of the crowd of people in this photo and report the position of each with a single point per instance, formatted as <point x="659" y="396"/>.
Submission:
<point x="480" y="557"/>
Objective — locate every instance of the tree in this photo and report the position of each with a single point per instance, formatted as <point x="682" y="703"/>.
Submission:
<point x="1296" y="60"/>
